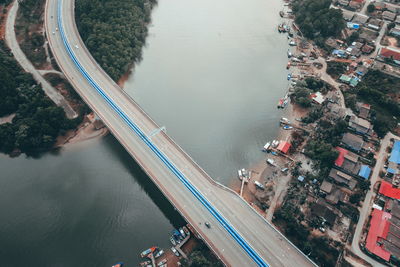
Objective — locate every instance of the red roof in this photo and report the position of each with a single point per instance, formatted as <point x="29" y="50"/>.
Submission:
<point x="389" y="53"/>
<point x="377" y="231"/>
<point x="388" y="190"/>
<point x="340" y="159"/>
<point x="284" y="147"/>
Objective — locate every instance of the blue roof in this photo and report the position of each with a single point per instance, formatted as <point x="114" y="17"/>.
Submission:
<point x="390" y="170"/>
<point x="365" y="171"/>
<point x="395" y="155"/>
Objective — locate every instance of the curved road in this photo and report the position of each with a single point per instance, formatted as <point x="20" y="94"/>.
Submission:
<point x="19" y="55"/>
<point x="272" y="246"/>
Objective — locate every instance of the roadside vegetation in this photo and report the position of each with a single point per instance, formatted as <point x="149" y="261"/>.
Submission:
<point x="114" y="31"/>
<point x="303" y="89"/>
<point x="381" y="91"/>
<point x="29" y="30"/>
<point x="37" y="121"/>
<point x="201" y="256"/>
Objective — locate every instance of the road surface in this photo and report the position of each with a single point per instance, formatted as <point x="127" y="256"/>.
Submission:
<point x="11" y="40"/>
<point x="263" y="238"/>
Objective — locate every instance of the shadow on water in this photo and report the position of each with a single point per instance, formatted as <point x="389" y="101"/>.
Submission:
<point x="144" y="181"/>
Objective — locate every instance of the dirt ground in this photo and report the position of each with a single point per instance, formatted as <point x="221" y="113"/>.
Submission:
<point x="3" y="22"/>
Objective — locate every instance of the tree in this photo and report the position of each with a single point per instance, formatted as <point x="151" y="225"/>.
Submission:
<point x="370" y="8"/>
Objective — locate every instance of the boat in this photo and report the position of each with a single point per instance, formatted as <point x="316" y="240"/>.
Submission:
<point x="259" y="185"/>
<point x="159" y="254"/>
<point x="288" y="65"/>
<point x="275" y="143"/>
<point x="145" y="263"/>
<point x="175" y="252"/>
<point x="162" y="262"/>
<point x="267" y="146"/>
<point x="274" y="153"/>
<point x="284" y="121"/>
<point x="187" y="232"/>
<point x="172" y="239"/>
<point x="147" y="252"/>
<point x="119" y="264"/>
<point x="281" y="13"/>
<point x="287" y="127"/>
<point x="271" y="162"/>
<point x="289" y="76"/>
<point x="243" y="174"/>
<point x="292" y="43"/>
<point x="280" y="103"/>
<point x="281" y="28"/>
<point x="289" y="54"/>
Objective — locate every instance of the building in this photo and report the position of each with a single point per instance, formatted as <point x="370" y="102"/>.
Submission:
<point x="387" y="15"/>
<point x="317" y="98"/>
<point x="378" y="231"/>
<point x="352" y="81"/>
<point x="343" y="2"/>
<point x="397" y="20"/>
<point x="336" y="196"/>
<point x="388" y="190"/>
<point x="342" y="178"/>
<point x="394" y="159"/>
<point x="390" y="53"/>
<point x="361" y="19"/>
<point x="365" y="172"/>
<point x="392" y="8"/>
<point x="367" y="49"/>
<point x="375" y="24"/>
<point x="284" y="147"/>
<point x="352" y="141"/>
<point x="347" y="161"/>
<point x="360" y="125"/>
<point x="395" y="31"/>
<point x="363" y="110"/>
<point x="323" y="212"/>
<point x="326" y="187"/>
<point x="347" y="15"/>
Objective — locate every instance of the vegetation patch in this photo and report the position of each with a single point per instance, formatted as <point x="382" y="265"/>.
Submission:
<point x="317" y="20"/>
<point x="381" y="91"/>
<point x="114" y="31"/>
<point x="335" y="69"/>
<point x="38" y="121"/>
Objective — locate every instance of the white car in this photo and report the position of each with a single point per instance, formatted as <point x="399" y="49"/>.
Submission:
<point x="76" y="46"/>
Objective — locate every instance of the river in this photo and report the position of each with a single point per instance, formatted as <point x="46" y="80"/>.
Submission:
<point x="212" y="73"/>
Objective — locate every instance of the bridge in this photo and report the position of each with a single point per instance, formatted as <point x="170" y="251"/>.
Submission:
<point x="239" y="236"/>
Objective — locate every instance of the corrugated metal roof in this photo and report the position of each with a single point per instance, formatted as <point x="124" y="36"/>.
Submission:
<point x="365" y="171"/>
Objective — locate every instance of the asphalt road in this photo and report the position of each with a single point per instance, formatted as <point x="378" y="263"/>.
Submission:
<point x="19" y="55"/>
<point x="258" y="233"/>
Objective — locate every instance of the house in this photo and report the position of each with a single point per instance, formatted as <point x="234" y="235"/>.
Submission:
<point x="367" y="49"/>
<point x="284" y="147"/>
<point x="387" y="15"/>
<point x="342" y="178"/>
<point x="361" y="70"/>
<point x="379" y="5"/>
<point x="360" y="125"/>
<point x="368" y="35"/>
<point x="365" y="172"/>
<point x="323" y="212"/>
<point x="317" y="98"/>
<point x="347" y="161"/>
<point x="388" y="190"/>
<point x="361" y="19"/>
<point x="337" y="195"/>
<point x="326" y="187"/>
<point x="363" y="110"/>
<point x="397" y="20"/>
<point x="394" y="159"/>
<point x="353" y="51"/>
<point x="395" y="31"/>
<point x="354" y="5"/>
<point x="347" y="15"/>
<point x="375" y="24"/>
<point x="343" y="2"/>
<point x="352" y="141"/>
<point x="392" y="8"/>
<point x="377" y="232"/>
<point x="390" y="53"/>
<point x="339" y="53"/>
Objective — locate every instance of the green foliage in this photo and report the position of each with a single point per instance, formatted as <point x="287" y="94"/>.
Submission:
<point x="371" y="8"/>
<point x="317" y="20"/>
<point x="377" y="89"/>
<point x="323" y="153"/>
<point x="114" y="31"/>
<point x="201" y="256"/>
<point x="335" y="69"/>
<point x="353" y="37"/>
<point x="314" y="114"/>
<point x="38" y="121"/>
<point x="302" y="96"/>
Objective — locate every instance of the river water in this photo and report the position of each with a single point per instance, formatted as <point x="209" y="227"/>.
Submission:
<point x="212" y="73"/>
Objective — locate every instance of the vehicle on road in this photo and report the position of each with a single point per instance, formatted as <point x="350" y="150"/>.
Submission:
<point x="208" y="224"/>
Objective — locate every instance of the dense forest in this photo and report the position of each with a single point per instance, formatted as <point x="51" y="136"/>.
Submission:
<point x="114" y="31"/>
<point x="37" y="121"/>
<point x="317" y="20"/>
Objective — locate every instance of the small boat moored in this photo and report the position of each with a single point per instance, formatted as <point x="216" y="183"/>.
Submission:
<point x="159" y="254"/>
<point x="119" y="264"/>
<point x="147" y="252"/>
